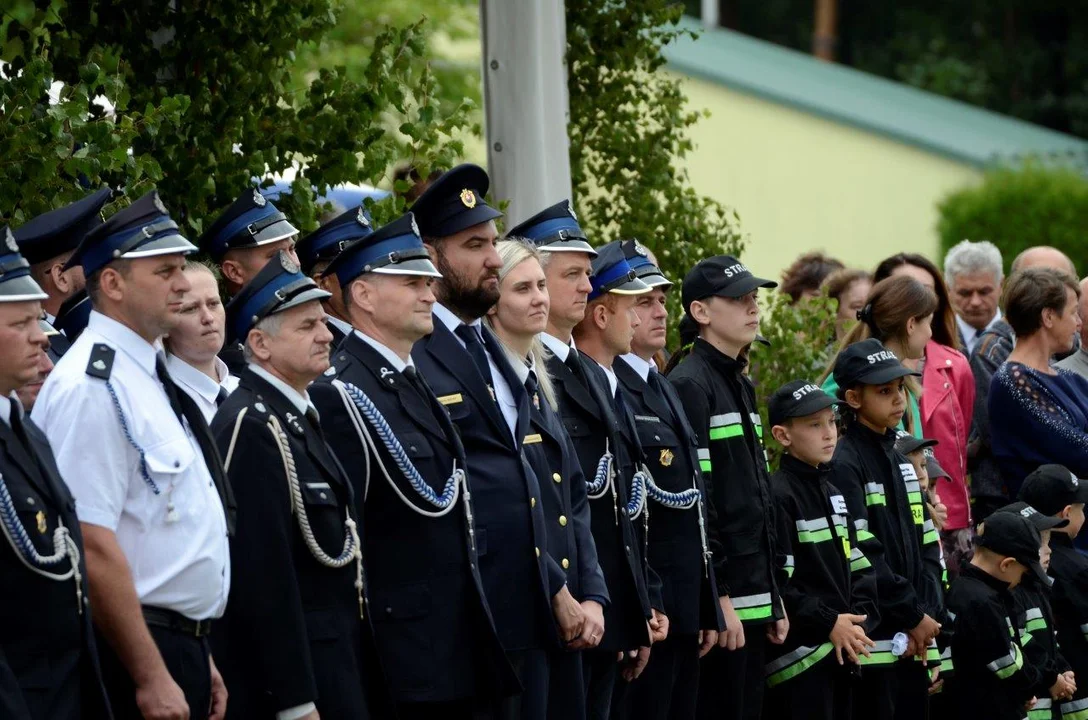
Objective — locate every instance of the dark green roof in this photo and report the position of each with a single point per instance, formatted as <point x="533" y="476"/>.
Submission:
<point x="922" y="119"/>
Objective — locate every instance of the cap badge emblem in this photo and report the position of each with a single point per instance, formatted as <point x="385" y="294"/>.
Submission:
<point x="43" y="526"/>
<point x="571" y="211"/>
<point x="468" y="198"/>
<point x="641" y="249"/>
<point x="1076" y="483"/>
<point x="158" y="204"/>
<point x="9" y="241"/>
<point x="362" y="218"/>
<point x="287" y="263"/>
<point x="666" y="457"/>
<point x="258" y="199"/>
<point x="415" y="228"/>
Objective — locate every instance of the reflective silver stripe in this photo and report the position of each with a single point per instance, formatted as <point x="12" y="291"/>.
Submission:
<point x="856" y="554"/>
<point x="874" y="488"/>
<point x="1043" y="704"/>
<point x="861" y="524"/>
<point x="789" y="561"/>
<point x="913" y="486"/>
<point x="704" y="454"/>
<point x="1084" y="630"/>
<point x="746" y="601"/>
<point x="726" y="419"/>
<point x="811" y="525"/>
<point x="1002" y="662"/>
<point x="927" y="526"/>
<point x="951" y="615"/>
<point x="756" y="419"/>
<point x="786" y="660"/>
<point x="882" y="646"/>
<point x="839" y="520"/>
<point x="1035" y="614"/>
<point x="1072" y="707"/>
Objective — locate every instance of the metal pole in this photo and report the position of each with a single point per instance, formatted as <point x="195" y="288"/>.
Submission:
<point x="526" y="103"/>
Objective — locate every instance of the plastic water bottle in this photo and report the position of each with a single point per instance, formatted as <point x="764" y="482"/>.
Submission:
<point x="899" y="644"/>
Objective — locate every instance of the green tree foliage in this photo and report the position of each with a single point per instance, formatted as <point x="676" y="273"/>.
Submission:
<point x="206" y="97"/>
<point x="1015" y="208"/>
<point x="801" y="337"/>
<point x="629" y="124"/>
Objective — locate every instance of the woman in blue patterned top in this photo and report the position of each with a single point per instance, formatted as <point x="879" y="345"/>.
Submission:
<point x="1039" y="413"/>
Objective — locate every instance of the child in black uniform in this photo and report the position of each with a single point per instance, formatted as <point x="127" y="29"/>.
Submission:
<point x="882" y="494"/>
<point x="830" y="588"/>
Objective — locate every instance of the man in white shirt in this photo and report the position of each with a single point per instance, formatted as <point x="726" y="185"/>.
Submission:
<point x="294" y="642"/>
<point x="193" y="345"/>
<point x="151" y="496"/>
<point x="974" y="272"/>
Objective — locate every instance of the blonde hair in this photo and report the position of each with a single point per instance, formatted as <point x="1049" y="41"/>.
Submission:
<point x="515" y="251"/>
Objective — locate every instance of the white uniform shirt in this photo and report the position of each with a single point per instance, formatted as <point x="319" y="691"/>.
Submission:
<point x="970" y="334"/>
<point x="642" y="367"/>
<point x="391" y="357"/>
<point x="503" y="395"/>
<point x="182" y="566"/>
<point x="202" y="389"/>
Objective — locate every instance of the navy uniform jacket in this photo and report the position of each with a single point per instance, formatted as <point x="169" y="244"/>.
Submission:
<point x="233" y="356"/>
<point x="48" y="662"/>
<point x="520" y="576"/>
<point x="337" y="335"/>
<point x="292" y="632"/>
<point x="675" y="550"/>
<point x="566" y="505"/>
<point x="433" y="628"/>
<point x="585" y="412"/>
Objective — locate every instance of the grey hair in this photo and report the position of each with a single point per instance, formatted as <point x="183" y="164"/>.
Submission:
<point x="270" y="325"/>
<point x="515" y="251"/>
<point x="968" y="257"/>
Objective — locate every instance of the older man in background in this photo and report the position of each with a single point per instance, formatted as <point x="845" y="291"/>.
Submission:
<point x="974" y="272"/>
<point x="1078" y="361"/>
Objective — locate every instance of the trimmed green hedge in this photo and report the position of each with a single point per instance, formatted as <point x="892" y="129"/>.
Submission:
<point x="1017" y="208"/>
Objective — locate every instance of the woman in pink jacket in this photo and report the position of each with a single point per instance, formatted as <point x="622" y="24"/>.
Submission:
<point x="947" y="405"/>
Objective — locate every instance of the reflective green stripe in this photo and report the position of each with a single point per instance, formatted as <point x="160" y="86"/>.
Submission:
<point x="704" y="465"/>
<point x="724" y="433"/>
<point x="864" y="535"/>
<point x="1075" y="710"/>
<point x="933" y="654"/>
<point x="947" y="666"/>
<point x="862" y="564"/>
<point x="814" y="536"/>
<point x="929" y="538"/>
<point x="1006" y="666"/>
<point x="789" y="571"/>
<point x="878" y="658"/>
<point x="809" y="656"/>
<point x="1040" y="713"/>
<point x="1025" y="638"/>
<point x="755" y="613"/>
<point x="875" y="499"/>
<point x="1035" y="625"/>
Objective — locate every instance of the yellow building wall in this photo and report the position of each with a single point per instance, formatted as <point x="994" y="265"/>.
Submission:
<point x="802" y="183"/>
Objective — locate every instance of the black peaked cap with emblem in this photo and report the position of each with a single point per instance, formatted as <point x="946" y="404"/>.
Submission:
<point x="59" y="231"/>
<point x="638" y="257"/>
<point x="325" y="243"/>
<point x="16" y="285"/>
<point x="554" y="229"/>
<point x="454" y="202"/>
<point x="251" y="221"/>
<point x="279" y="286"/>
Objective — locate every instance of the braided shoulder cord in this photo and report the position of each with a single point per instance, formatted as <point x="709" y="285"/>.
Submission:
<point x="63" y="546"/>
<point x="356" y="401"/>
<point x="603" y="478"/>
<point x="131" y="440"/>
<point x="351" y="550"/>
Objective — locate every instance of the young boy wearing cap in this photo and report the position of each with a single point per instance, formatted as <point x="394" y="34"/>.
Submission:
<point x="882" y="493"/>
<point x="1054" y="491"/>
<point x="1034" y="620"/>
<point x="830" y="590"/>
<point x="719" y="298"/>
<point x="992" y="680"/>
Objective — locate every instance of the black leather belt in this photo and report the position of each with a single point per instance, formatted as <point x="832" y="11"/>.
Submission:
<point x="170" y="620"/>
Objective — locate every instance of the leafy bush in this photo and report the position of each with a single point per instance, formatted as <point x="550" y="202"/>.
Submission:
<point x="801" y="338"/>
<point x="207" y="96"/>
<point x="1016" y="208"/>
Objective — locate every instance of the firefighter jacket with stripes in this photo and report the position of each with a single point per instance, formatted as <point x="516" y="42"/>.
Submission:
<point x="1034" y="619"/>
<point x="1069" y="598"/>
<point x="992" y="681"/>
<point x="721" y="407"/>
<point x="826" y="573"/>
<point x="893" y="526"/>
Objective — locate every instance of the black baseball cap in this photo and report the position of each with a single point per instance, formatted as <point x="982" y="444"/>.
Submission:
<point x="1040" y="521"/>
<point x="798" y="398"/>
<point x="906" y="443"/>
<point x="1050" y="488"/>
<point x="868" y="362"/>
<point x="934" y="469"/>
<point x="1013" y="535"/>
<point x="721" y="275"/>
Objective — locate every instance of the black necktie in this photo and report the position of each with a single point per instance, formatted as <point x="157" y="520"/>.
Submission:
<point x="169" y="387"/>
<point x="184" y="407"/>
<point x="415" y="381"/>
<point x="475" y="348"/>
<point x="221" y="397"/>
<point x="575" y="364"/>
<point x="19" y="429"/>
<point x="532" y="389"/>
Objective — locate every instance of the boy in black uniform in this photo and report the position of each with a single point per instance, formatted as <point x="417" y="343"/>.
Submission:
<point x="992" y="680"/>
<point x="1034" y="620"/>
<point x="882" y="494"/>
<point x="719" y="298"/>
<point x="1054" y="491"/>
<point x="830" y="593"/>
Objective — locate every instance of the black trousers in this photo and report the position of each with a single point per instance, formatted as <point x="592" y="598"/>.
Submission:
<point x="566" y="687"/>
<point x="533" y="670"/>
<point x="186" y="659"/>
<point x="824" y="691"/>
<point x="894" y="692"/>
<point x="453" y="710"/>
<point x="731" y="682"/>
<point x="601" y="673"/>
<point x="668" y="687"/>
